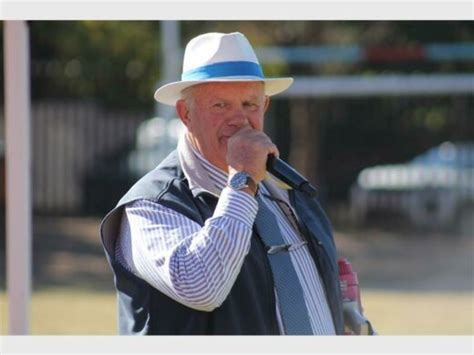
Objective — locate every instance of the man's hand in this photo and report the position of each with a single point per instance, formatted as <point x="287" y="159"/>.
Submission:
<point x="247" y="150"/>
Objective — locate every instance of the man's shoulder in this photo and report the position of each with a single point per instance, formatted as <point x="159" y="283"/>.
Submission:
<point x="166" y="185"/>
<point x="157" y="181"/>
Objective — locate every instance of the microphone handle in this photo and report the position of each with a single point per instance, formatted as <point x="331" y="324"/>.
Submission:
<point x="289" y="175"/>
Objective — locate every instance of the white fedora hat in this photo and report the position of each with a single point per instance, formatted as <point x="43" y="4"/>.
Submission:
<point x="219" y="57"/>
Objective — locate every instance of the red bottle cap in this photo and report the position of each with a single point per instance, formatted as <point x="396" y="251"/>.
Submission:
<point x="345" y="266"/>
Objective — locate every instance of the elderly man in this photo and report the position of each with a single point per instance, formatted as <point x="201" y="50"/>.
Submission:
<point x="209" y="242"/>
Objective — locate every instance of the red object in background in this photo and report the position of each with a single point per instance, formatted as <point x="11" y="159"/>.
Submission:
<point x="349" y="282"/>
<point x="354" y="321"/>
<point x="394" y="54"/>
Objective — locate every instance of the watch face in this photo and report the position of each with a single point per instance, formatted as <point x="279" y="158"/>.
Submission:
<point x="239" y="180"/>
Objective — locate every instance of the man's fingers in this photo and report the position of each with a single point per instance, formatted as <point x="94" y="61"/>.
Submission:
<point x="274" y="150"/>
<point x="248" y="150"/>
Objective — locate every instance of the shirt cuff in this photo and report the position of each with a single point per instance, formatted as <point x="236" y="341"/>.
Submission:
<point x="238" y="205"/>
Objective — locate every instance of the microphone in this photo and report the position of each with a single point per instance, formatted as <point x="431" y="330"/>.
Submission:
<point x="289" y="175"/>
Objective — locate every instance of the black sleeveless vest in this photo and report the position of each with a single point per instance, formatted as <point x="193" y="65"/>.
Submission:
<point x="249" y="309"/>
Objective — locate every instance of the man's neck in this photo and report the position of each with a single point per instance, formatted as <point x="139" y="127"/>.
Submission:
<point x="198" y="152"/>
<point x="200" y="173"/>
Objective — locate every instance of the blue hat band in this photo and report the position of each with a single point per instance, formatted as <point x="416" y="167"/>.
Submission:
<point x="223" y="69"/>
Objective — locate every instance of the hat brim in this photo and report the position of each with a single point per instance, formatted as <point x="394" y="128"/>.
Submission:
<point x="170" y="93"/>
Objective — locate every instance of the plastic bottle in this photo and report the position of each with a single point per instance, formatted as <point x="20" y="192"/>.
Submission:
<point x="354" y="320"/>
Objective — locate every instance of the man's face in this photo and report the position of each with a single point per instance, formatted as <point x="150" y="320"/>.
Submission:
<point x="212" y="112"/>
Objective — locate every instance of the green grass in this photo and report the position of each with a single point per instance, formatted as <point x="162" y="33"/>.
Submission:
<point x="422" y="313"/>
<point x="60" y="311"/>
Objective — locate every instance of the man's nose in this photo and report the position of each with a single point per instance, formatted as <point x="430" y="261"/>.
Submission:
<point x="239" y="118"/>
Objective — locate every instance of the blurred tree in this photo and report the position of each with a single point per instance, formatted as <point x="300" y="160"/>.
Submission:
<point x="118" y="62"/>
<point x="112" y="62"/>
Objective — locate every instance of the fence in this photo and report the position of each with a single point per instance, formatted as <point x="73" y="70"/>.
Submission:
<point x="69" y="140"/>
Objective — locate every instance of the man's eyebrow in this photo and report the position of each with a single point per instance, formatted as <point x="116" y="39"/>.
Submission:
<point x="253" y="98"/>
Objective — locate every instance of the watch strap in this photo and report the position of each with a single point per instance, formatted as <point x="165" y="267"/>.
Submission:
<point x="252" y="185"/>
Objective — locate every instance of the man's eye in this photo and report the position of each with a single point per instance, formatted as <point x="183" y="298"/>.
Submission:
<point x="219" y="105"/>
<point x="251" y="105"/>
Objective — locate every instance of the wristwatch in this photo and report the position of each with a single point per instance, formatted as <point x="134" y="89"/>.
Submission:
<point x="242" y="180"/>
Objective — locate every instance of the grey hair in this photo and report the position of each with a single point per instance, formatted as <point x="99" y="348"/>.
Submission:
<point x="188" y="95"/>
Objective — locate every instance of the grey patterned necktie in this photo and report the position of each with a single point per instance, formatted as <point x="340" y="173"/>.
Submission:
<point x="290" y="294"/>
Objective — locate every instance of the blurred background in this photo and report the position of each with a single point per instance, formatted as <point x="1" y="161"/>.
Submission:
<point x="380" y="118"/>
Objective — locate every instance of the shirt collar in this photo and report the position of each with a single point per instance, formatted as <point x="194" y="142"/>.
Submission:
<point x="198" y="171"/>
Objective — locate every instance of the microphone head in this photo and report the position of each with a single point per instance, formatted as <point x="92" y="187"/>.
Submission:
<point x="271" y="159"/>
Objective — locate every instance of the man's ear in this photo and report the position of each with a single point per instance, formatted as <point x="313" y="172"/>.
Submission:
<point x="266" y="103"/>
<point x="183" y="112"/>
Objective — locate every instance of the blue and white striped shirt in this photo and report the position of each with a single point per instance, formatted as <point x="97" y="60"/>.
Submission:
<point x="197" y="266"/>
